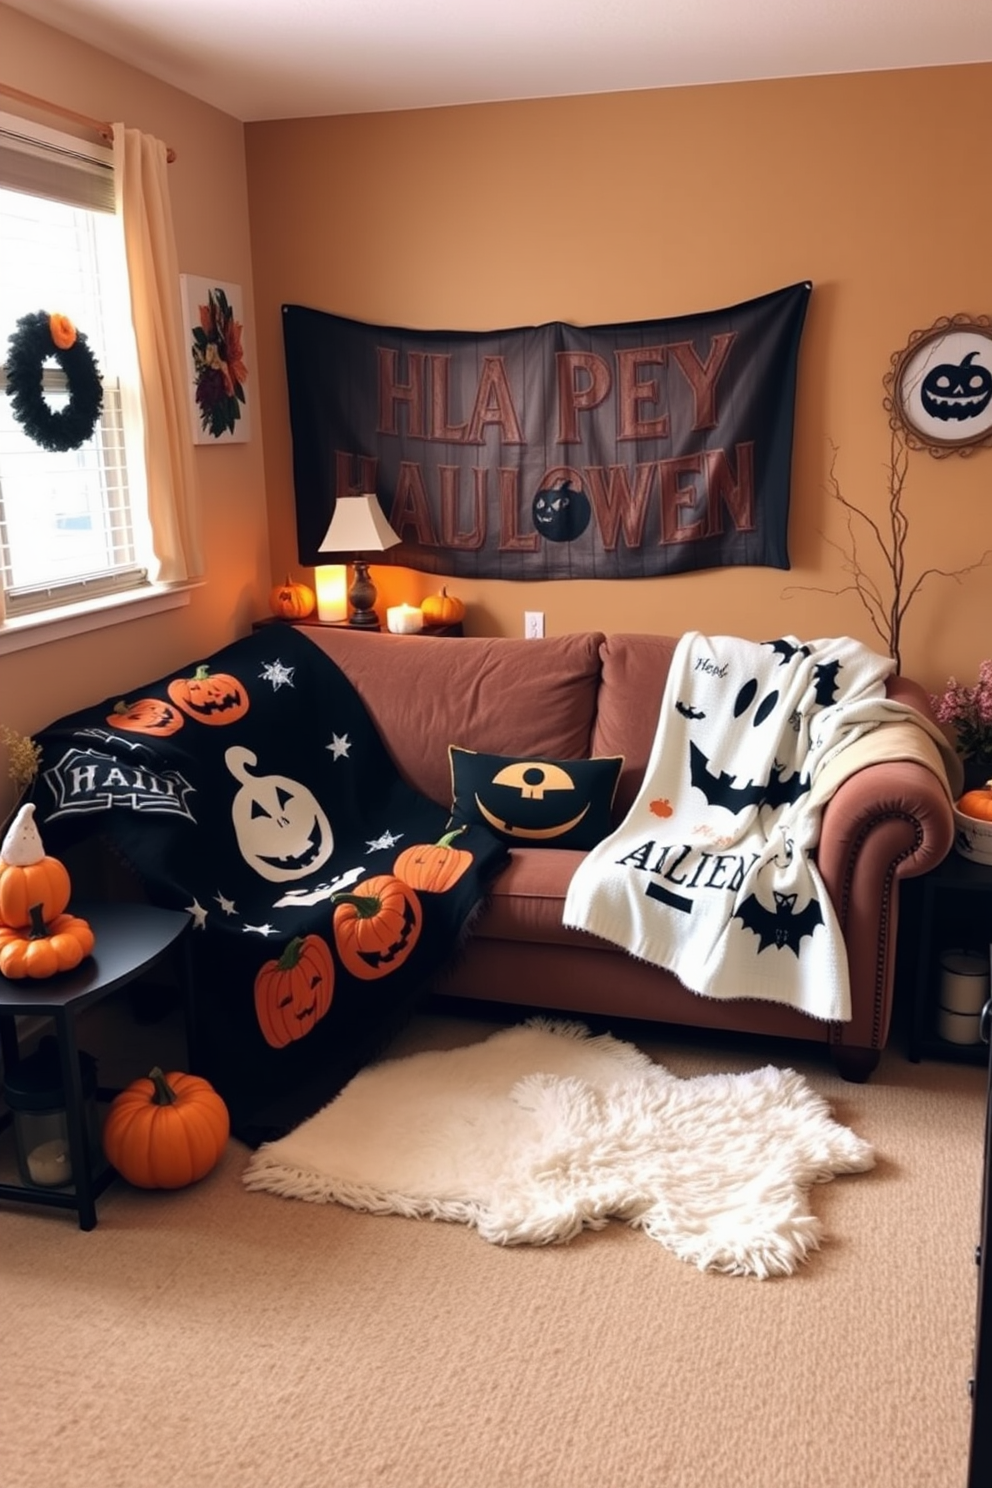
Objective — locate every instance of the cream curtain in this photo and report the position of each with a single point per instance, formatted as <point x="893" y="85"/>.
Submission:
<point x="153" y="268"/>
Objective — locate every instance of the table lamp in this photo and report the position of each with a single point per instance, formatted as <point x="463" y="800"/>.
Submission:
<point x="357" y="528"/>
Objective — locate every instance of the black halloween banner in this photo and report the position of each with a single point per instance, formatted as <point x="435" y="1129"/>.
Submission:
<point x="553" y="451"/>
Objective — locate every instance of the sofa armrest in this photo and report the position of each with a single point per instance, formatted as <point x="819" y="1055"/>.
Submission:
<point x="888" y="821"/>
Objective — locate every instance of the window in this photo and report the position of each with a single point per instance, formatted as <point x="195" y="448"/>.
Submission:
<point x="73" y="524"/>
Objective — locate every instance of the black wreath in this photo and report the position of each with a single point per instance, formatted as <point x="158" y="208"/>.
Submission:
<point x="30" y="346"/>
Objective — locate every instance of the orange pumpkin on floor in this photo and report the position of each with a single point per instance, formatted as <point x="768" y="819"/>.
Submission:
<point x="28" y="877"/>
<point x="376" y="925"/>
<point x="166" y="1131"/>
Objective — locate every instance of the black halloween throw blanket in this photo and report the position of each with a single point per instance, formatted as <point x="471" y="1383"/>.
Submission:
<point x="252" y="789"/>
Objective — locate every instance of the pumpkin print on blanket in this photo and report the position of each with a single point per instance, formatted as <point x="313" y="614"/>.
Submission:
<point x="376" y="925"/>
<point x="146" y="716"/>
<point x="294" y="991"/>
<point x="282" y="830"/>
<point x="434" y="866"/>
<point x="212" y="699"/>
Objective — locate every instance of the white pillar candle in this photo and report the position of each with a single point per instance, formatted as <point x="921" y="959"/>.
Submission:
<point x="331" y="585"/>
<point x="964" y="981"/>
<point x="49" y="1165"/>
<point x="404" y="619"/>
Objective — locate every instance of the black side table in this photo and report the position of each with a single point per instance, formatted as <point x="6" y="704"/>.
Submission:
<point x="956" y="910"/>
<point x="130" y="940"/>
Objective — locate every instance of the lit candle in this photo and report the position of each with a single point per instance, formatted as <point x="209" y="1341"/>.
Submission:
<point x="49" y="1165"/>
<point x="405" y="619"/>
<point x="331" y="585"/>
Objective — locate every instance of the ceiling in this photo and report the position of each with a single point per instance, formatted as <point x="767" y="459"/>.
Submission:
<point x="275" y="59"/>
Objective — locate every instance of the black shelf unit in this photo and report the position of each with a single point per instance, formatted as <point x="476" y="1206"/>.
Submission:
<point x="955" y="909"/>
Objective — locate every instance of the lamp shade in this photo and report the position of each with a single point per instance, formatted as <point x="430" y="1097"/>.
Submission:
<point x="358" y="526"/>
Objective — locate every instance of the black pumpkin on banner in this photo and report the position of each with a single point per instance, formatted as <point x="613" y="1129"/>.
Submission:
<point x="561" y="513"/>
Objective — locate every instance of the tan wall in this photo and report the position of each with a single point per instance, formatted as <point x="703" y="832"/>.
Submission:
<point x="210" y="204"/>
<point x="586" y="209"/>
<point x="652" y="204"/>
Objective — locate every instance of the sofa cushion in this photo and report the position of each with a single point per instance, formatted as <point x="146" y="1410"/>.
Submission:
<point x="635" y="670"/>
<point x="532" y="799"/>
<point x="525" y="901"/>
<point x="495" y="694"/>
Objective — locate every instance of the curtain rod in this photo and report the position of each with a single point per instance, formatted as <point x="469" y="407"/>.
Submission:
<point x="105" y="131"/>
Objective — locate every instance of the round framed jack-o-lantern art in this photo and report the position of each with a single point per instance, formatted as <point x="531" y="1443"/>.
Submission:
<point x="940" y="386"/>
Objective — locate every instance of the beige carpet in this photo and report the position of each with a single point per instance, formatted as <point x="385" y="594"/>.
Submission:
<point x="219" y="1338"/>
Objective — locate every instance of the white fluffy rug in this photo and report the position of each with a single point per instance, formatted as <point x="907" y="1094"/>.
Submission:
<point x="543" y="1130"/>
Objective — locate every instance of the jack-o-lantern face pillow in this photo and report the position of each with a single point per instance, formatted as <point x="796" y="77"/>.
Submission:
<point x="534" y="802"/>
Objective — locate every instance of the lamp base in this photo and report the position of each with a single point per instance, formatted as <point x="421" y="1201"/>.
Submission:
<point x="361" y="598"/>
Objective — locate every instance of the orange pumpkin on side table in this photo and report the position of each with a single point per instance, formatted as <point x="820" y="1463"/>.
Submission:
<point x="973" y="821"/>
<point x="37" y="938"/>
<point x="166" y="1131"/>
<point x="43" y="950"/>
<point x="292" y="600"/>
<point x="977" y="803"/>
<point x="28" y="877"/>
<point x="443" y="608"/>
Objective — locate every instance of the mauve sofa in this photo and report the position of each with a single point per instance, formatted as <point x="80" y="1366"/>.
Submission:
<point x="590" y="694"/>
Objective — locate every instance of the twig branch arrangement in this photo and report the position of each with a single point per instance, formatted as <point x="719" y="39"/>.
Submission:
<point x="886" y="601"/>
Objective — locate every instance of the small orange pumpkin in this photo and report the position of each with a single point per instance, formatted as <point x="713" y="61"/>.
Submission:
<point x="442" y="609"/>
<point x="294" y="992"/>
<point x="376" y="925"/>
<point x="977" y="803"/>
<point x="433" y="867"/>
<point x="28" y="877"/>
<point x="214" y="699"/>
<point x="62" y="331"/>
<point x="44" y="950"/>
<point x="292" y="600"/>
<point x="166" y="1131"/>
<point x="146" y="716"/>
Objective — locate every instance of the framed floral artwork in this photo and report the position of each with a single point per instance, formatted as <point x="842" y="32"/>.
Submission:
<point x="940" y="386"/>
<point x="213" y="329"/>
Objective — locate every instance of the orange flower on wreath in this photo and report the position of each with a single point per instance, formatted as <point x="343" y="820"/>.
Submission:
<point x="62" y="331"/>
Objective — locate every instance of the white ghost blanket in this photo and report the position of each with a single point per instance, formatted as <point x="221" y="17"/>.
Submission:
<point x="711" y="874"/>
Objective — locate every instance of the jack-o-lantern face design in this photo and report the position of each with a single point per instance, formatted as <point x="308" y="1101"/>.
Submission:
<point x="146" y="716"/>
<point x="958" y="392"/>
<point x="560" y="513"/>
<point x="377" y="925"/>
<point x="294" y="992"/>
<point x="282" y="830"/>
<point x="531" y="799"/>
<point x="209" y="699"/>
